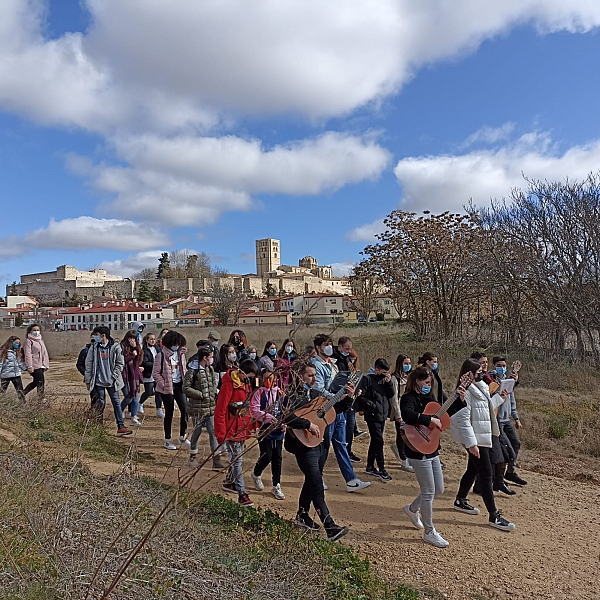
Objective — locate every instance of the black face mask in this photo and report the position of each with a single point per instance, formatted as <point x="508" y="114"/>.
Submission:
<point x="479" y="377"/>
<point x="236" y="341"/>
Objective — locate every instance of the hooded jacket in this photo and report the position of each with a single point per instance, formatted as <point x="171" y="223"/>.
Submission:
<point x="200" y="387"/>
<point x="36" y="355"/>
<point x="266" y="407"/>
<point x="162" y="371"/>
<point x="375" y="398"/>
<point x="475" y="424"/>
<point x="12" y="366"/>
<point x="116" y="362"/>
<point x="230" y="427"/>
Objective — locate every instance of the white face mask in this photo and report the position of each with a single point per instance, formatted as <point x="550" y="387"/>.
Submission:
<point x="210" y="361"/>
<point x="232" y="357"/>
<point x="328" y="350"/>
<point x="35" y="333"/>
<point x="289" y="349"/>
<point x="252" y="355"/>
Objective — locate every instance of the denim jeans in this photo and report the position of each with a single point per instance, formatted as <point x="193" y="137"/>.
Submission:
<point x="428" y="472"/>
<point x="199" y="423"/>
<point x="235" y="472"/>
<point x="350" y="427"/>
<point x="133" y="403"/>
<point x="99" y="402"/>
<point x="337" y="434"/>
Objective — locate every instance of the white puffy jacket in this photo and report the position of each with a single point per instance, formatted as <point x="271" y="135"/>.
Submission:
<point x="475" y="424"/>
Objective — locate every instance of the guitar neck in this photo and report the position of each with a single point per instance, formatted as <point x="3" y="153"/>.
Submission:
<point x="444" y="407"/>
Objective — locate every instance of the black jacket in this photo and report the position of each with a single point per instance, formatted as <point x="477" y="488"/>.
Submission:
<point x="297" y="399"/>
<point x="148" y="362"/>
<point x="375" y="398"/>
<point x="342" y="362"/>
<point x="81" y="359"/>
<point x="412" y="406"/>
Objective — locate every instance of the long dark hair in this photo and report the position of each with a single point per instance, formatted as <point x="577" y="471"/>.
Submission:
<point x="240" y="334"/>
<point x="426" y="356"/>
<point x="398" y="369"/>
<point x="223" y="353"/>
<point x="267" y="346"/>
<point x="127" y="349"/>
<point x="8" y="345"/>
<point x="282" y="351"/>
<point x="418" y="374"/>
<point x="469" y="365"/>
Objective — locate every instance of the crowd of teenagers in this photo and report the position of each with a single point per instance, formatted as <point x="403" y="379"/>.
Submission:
<point x="237" y="393"/>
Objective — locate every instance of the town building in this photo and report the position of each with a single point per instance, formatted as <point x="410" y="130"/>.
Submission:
<point x="268" y="256"/>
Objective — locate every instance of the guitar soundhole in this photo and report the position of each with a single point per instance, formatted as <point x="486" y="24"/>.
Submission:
<point x="320" y="414"/>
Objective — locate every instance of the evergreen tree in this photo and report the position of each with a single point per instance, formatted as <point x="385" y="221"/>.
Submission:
<point x="164" y="266"/>
<point x="144" y="292"/>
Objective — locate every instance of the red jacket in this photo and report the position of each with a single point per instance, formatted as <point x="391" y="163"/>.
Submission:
<point x="227" y="426"/>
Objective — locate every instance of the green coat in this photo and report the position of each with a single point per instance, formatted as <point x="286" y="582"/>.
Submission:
<point x="200" y="387"/>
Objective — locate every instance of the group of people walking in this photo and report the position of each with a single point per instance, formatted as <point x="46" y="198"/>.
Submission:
<point x="235" y="393"/>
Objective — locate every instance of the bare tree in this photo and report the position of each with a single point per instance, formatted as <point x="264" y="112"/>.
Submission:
<point x="226" y="301"/>
<point x="144" y="274"/>
<point x="365" y="288"/>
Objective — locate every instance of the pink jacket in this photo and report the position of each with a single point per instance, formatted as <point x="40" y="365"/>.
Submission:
<point x="162" y="372"/>
<point x="36" y="355"/>
<point x="269" y="414"/>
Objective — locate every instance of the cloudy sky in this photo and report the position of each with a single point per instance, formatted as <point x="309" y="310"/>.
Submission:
<point x="128" y="127"/>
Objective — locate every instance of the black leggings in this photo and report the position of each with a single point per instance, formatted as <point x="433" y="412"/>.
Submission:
<point x="399" y="441"/>
<point x="150" y="391"/>
<point x="17" y="383"/>
<point x="482" y="470"/>
<point x="169" y="404"/>
<point x="38" y="382"/>
<point x="311" y="462"/>
<point x="270" y="452"/>
<point x="375" y="452"/>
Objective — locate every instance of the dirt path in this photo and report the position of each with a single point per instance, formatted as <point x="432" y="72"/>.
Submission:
<point x="554" y="553"/>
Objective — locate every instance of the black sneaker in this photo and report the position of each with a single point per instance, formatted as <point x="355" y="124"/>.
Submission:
<point x="461" y="505"/>
<point x="335" y="532"/>
<point x="514" y="478"/>
<point x="303" y="520"/>
<point x="384" y="475"/>
<point x="502" y="487"/>
<point x="353" y="457"/>
<point x="499" y="522"/>
<point x="358" y="433"/>
<point x="372" y="471"/>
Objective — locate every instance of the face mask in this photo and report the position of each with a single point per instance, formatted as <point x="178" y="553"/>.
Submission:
<point x="236" y="341"/>
<point x="479" y="377"/>
<point x="344" y="354"/>
<point x="501" y="370"/>
<point x="215" y="344"/>
<point x="273" y="351"/>
<point x="174" y="348"/>
<point x="434" y="367"/>
<point x="16" y="345"/>
<point x="268" y="383"/>
<point x="328" y="350"/>
<point x="425" y="389"/>
<point x="406" y="368"/>
<point x="210" y="361"/>
<point x="97" y="339"/>
<point x="35" y="333"/>
<point x="233" y="357"/>
<point x="251" y="356"/>
<point x="289" y="349"/>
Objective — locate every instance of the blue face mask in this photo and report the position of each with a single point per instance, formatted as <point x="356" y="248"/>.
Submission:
<point x="273" y="351"/>
<point x="344" y="354"/>
<point x="16" y="345"/>
<point x="97" y="338"/>
<point x="501" y="370"/>
<point x="406" y="368"/>
<point x="425" y="389"/>
<point x="174" y="348"/>
<point x="434" y="366"/>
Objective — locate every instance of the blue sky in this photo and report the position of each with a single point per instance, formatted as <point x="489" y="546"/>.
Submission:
<point x="125" y="132"/>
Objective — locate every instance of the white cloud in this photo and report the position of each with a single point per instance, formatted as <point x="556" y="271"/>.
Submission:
<point x="489" y="135"/>
<point x="167" y="66"/>
<point x="366" y="232"/>
<point x="84" y="233"/>
<point x="342" y="269"/>
<point x="132" y="264"/>
<point x="448" y="182"/>
<point x="187" y="180"/>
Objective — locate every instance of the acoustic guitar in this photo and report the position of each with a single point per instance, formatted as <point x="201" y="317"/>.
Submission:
<point x="321" y="413"/>
<point x="424" y="439"/>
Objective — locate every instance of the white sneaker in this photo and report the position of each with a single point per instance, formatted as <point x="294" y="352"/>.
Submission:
<point x="184" y="442"/>
<point x="160" y="413"/>
<point x="356" y="484"/>
<point x="435" y="539"/>
<point x="415" y="517"/>
<point x="405" y="465"/>
<point x="135" y="422"/>
<point x="141" y="409"/>
<point x="169" y="445"/>
<point x="325" y="485"/>
<point x="258" y="484"/>
<point x="278" y="492"/>
<point x="394" y="449"/>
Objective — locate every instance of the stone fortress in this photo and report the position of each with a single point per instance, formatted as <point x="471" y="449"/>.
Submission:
<point x="272" y="278"/>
